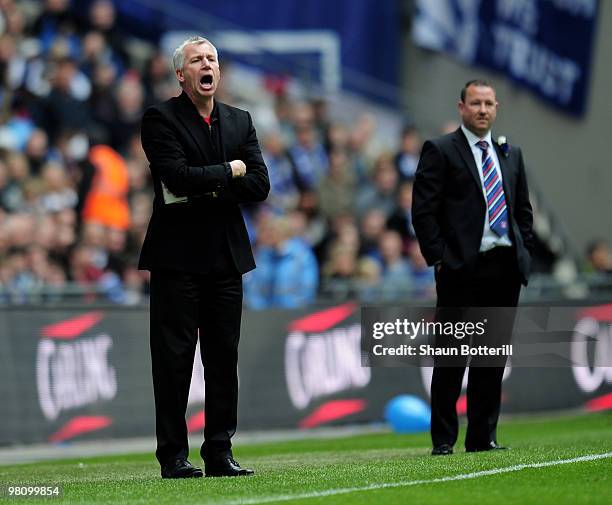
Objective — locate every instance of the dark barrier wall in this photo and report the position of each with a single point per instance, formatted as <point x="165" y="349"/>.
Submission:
<point x="84" y="373"/>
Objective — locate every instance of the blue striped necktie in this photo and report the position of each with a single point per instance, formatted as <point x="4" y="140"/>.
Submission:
<point x="494" y="190"/>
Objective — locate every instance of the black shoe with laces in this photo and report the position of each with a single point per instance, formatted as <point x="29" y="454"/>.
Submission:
<point x="226" y="467"/>
<point x="442" y="450"/>
<point x="180" y="469"/>
<point x="492" y="446"/>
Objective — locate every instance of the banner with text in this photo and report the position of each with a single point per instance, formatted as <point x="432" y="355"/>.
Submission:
<point x="84" y="373"/>
<point x="545" y="46"/>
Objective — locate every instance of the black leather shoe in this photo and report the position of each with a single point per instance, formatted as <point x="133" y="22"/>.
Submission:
<point x="493" y="446"/>
<point x="442" y="450"/>
<point x="180" y="469"/>
<point x="226" y="467"/>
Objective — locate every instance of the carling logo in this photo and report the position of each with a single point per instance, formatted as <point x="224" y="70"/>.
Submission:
<point x="73" y="372"/>
<point x="591" y="348"/>
<point x="323" y="358"/>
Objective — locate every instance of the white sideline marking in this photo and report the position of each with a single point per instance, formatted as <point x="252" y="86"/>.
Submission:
<point x="406" y="483"/>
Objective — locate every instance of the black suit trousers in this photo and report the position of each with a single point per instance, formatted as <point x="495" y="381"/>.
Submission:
<point x="183" y="307"/>
<point x="494" y="282"/>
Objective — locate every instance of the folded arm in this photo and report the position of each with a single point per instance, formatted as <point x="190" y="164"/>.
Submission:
<point x="168" y="161"/>
<point x="254" y="186"/>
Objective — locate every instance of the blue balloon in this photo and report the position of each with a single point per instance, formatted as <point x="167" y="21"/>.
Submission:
<point x="408" y="414"/>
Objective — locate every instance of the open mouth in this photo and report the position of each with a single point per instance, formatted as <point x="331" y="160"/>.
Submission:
<point x="206" y="81"/>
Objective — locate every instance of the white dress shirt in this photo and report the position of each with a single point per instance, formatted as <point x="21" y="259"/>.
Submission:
<point x="490" y="239"/>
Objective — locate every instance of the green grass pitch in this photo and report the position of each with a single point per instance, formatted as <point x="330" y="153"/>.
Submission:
<point x="549" y="463"/>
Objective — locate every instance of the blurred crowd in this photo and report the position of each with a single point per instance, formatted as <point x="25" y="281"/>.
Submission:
<point x="76" y="193"/>
<point x="338" y="221"/>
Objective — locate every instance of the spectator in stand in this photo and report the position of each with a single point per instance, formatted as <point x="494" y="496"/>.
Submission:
<point x="106" y="203"/>
<point x="401" y="218"/>
<point x="336" y="189"/>
<point x="130" y="101"/>
<point x="55" y="281"/>
<point x="284" y="182"/>
<point x="103" y="102"/>
<point x="95" y="51"/>
<point x="302" y="114"/>
<point x="12" y="69"/>
<point x="140" y="207"/>
<point x="65" y="239"/>
<point x="32" y="193"/>
<point x="338" y="274"/>
<point x="599" y="258"/>
<point x="449" y="126"/>
<point x="45" y="231"/>
<point x="346" y="233"/>
<point x="407" y="159"/>
<point x="423" y="280"/>
<point x="60" y="110"/>
<point x="83" y="268"/>
<point x="18" y="171"/>
<point x="4" y="188"/>
<point x="94" y="236"/>
<point x="363" y="152"/>
<point x="359" y="142"/>
<point x="56" y="20"/>
<point x="316" y="227"/>
<point x="320" y="113"/>
<point x="14" y="19"/>
<point x="298" y="225"/>
<point x="308" y="154"/>
<point x="282" y="110"/>
<point x="139" y="177"/>
<point x="102" y="18"/>
<point x="136" y="285"/>
<point x="368" y="279"/>
<point x="37" y="150"/>
<point x="287" y="273"/>
<point x="381" y="195"/>
<point x="116" y="245"/>
<point x="17" y="236"/>
<point x="158" y="80"/>
<point x="73" y="153"/>
<point x="19" y="281"/>
<point x="57" y="193"/>
<point x="88" y="268"/>
<point x="337" y="138"/>
<point x="342" y="232"/>
<point x="396" y="278"/>
<point x="371" y="229"/>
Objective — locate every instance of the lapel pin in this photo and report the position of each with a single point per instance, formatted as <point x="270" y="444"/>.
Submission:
<point x="502" y="142"/>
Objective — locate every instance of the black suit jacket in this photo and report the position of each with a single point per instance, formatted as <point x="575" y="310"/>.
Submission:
<point x="189" y="236"/>
<point x="448" y="208"/>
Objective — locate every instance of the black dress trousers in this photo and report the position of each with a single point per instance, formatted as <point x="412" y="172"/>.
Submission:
<point x="183" y="306"/>
<point x="495" y="282"/>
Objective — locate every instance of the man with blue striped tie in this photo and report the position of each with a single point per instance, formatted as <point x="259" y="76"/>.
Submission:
<point x="473" y="220"/>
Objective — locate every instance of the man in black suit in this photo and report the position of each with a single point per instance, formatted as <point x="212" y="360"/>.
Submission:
<point x="197" y="249"/>
<point x="473" y="221"/>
